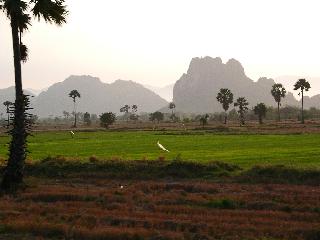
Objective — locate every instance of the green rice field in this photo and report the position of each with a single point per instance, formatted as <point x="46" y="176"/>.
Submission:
<point x="297" y="150"/>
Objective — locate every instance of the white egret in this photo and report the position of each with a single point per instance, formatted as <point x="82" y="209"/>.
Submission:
<point x="72" y="133"/>
<point x="162" y="147"/>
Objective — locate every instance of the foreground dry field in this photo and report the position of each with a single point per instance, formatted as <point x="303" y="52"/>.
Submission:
<point x="164" y="209"/>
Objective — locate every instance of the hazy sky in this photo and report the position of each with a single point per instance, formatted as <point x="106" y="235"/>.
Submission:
<point x="153" y="41"/>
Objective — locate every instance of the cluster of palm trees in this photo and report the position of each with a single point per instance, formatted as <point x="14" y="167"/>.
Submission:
<point x="225" y="97"/>
<point x="133" y="115"/>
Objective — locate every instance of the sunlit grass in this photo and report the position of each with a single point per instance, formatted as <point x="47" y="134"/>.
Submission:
<point x="244" y="150"/>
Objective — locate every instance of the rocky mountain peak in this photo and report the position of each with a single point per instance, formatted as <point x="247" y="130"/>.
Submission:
<point x="203" y="64"/>
<point x="196" y="91"/>
<point x="234" y="66"/>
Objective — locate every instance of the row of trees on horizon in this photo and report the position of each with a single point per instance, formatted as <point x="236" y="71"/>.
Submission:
<point x="225" y="97"/>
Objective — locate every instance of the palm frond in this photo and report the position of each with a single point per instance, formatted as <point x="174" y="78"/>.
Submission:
<point x="24" y="53"/>
<point x="24" y="22"/>
<point x="52" y="11"/>
<point x="14" y="8"/>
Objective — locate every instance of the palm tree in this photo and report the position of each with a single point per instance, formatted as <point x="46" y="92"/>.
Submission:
<point x="225" y="97"/>
<point x="260" y="109"/>
<point x="19" y="13"/>
<point x="125" y="109"/>
<point x="302" y="85"/>
<point x="74" y="94"/>
<point x="242" y="104"/>
<point x="7" y="104"/>
<point x="278" y="92"/>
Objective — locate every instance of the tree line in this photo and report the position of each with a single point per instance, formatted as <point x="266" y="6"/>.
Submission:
<point x="225" y="97"/>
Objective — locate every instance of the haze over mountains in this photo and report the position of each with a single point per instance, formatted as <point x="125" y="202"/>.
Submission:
<point x="96" y="97"/>
<point x="165" y="92"/>
<point x="194" y="92"/>
<point x="197" y="89"/>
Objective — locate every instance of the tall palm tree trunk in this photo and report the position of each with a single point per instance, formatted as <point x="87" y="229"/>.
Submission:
<point x="13" y="174"/>
<point x="75" y="113"/>
<point x="225" y="117"/>
<point x="302" y="116"/>
<point x="278" y="111"/>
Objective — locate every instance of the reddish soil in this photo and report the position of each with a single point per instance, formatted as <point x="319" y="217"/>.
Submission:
<point x="102" y="209"/>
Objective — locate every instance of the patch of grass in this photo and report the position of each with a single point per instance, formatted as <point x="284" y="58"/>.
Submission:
<point x="245" y="150"/>
<point x="222" y="204"/>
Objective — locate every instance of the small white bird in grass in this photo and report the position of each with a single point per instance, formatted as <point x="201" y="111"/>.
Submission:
<point x="162" y="147"/>
<point x="72" y="133"/>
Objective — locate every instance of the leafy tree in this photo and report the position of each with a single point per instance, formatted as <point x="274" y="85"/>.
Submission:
<point x="8" y="104"/>
<point x="302" y="85"/>
<point x="87" y="118"/>
<point x="225" y="97"/>
<point x="107" y="119"/>
<point x="125" y="109"/>
<point x="260" y="109"/>
<point x="19" y="13"/>
<point x="204" y="120"/>
<point x="242" y="105"/>
<point x="278" y="92"/>
<point x="172" y="107"/>
<point x="74" y="94"/>
<point x="156" y="116"/>
<point x="134" y="109"/>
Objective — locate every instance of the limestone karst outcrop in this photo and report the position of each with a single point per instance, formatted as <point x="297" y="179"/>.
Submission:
<point x="197" y="89"/>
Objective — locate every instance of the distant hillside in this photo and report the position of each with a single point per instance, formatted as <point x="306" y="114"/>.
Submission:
<point x="96" y="97"/>
<point x="197" y="89"/>
<point x="165" y="92"/>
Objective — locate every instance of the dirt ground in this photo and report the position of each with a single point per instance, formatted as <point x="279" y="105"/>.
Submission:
<point x="164" y="209"/>
<point x="269" y="127"/>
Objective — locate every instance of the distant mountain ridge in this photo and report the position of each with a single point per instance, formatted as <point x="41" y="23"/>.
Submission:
<point x="96" y="97"/>
<point x="197" y="89"/>
<point x="194" y="92"/>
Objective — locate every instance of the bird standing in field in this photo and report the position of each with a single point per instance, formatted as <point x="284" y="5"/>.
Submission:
<point x="162" y="147"/>
<point x="72" y="134"/>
